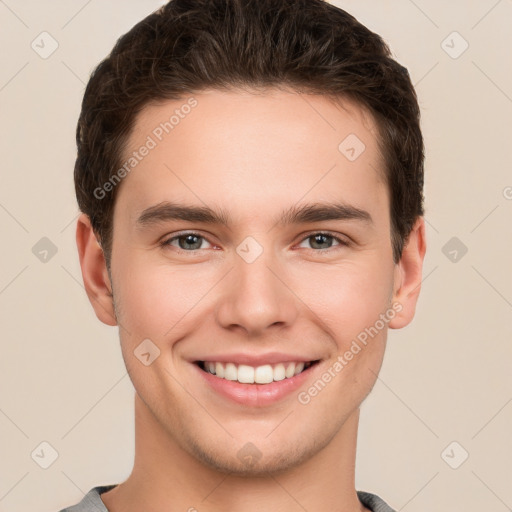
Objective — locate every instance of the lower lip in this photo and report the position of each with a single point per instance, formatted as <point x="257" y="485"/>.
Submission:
<point x="256" y="395"/>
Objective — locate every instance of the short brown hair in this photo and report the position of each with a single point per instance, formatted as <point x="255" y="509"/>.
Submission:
<point x="193" y="45"/>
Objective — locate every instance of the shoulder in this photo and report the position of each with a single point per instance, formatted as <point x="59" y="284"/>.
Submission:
<point x="373" y="502"/>
<point x="91" y="502"/>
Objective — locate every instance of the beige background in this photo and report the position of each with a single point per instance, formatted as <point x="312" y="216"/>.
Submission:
<point x="445" y="378"/>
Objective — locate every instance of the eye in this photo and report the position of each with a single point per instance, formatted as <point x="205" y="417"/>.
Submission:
<point x="188" y="241"/>
<point x="324" y="241"/>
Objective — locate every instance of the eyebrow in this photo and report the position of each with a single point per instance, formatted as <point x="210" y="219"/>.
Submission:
<point x="297" y="214"/>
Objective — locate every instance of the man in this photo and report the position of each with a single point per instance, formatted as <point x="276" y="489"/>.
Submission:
<point x="250" y="175"/>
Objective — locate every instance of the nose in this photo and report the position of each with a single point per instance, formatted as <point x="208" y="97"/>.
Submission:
<point x="257" y="297"/>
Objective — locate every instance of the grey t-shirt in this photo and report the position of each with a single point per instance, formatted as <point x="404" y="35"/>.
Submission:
<point x="92" y="501"/>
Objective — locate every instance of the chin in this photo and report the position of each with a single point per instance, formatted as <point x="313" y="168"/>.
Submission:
<point x="250" y="461"/>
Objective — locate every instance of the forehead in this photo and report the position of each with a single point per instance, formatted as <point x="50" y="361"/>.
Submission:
<point x="253" y="149"/>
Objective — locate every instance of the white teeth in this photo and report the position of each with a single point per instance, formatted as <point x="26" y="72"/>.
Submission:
<point x="290" y="370"/>
<point x="230" y="372"/>
<point x="219" y="370"/>
<point x="260" y="375"/>
<point x="263" y="374"/>
<point x="245" y="374"/>
<point x="279" y="372"/>
<point x="298" y="368"/>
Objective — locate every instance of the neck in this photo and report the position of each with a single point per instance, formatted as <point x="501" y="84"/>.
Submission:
<point x="165" y="477"/>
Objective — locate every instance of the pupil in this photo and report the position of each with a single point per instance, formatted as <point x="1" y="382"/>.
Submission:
<point x="188" y="241"/>
<point x="318" y="239"/>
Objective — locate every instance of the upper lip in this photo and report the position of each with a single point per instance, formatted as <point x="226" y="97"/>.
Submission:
<point x="257" y="359"/>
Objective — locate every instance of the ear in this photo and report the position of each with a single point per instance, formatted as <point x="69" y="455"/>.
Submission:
<point x="408" y="276"/>
<point x="94" y="271"/>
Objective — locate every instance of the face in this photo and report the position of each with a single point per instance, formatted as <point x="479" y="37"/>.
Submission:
<point x="275" y="276"/>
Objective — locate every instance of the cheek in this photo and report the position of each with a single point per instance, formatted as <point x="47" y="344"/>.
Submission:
<point x="158" y="301"/>
<point x="349" y="298"/>
<point x="163" y="302"/>
<point x="350" y="304"/>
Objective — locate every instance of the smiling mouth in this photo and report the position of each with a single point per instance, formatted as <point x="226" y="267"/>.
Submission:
<point x="264" y="374"/>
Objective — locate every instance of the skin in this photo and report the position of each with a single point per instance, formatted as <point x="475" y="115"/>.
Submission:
<point x="251" y="155"/>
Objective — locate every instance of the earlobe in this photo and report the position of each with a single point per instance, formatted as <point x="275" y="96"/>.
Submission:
<point x="408" y="276"/>
<point x="94" y="271"/>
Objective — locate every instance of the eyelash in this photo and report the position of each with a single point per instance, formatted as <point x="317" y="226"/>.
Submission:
<point x="342" y="242"/>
